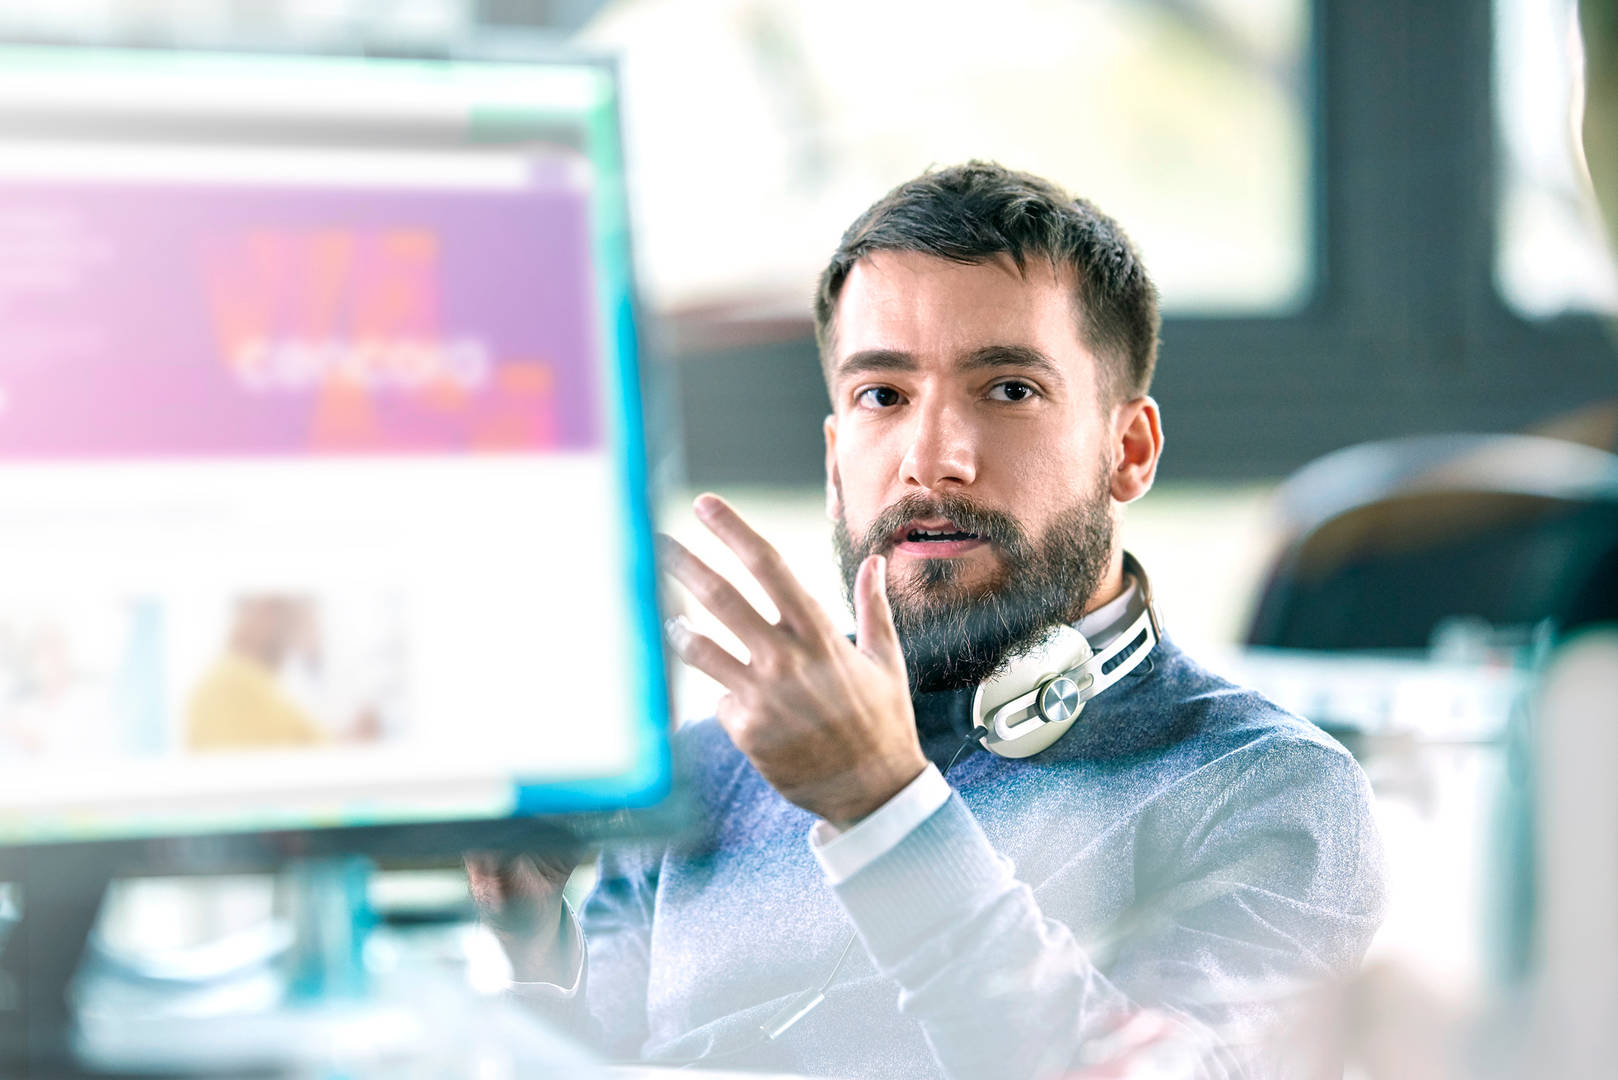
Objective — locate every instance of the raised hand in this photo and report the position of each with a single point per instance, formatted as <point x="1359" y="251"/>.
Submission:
<point x="828" y="723"/>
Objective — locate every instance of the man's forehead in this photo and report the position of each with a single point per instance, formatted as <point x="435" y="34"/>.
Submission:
<point x="911" y="270"/>
<point x="909" y="302"/>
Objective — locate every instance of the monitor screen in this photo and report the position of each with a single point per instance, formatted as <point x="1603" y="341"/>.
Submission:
<point x="322" y="477"/>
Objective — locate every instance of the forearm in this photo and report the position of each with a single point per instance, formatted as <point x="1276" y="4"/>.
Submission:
<point x="548" y="974"/>
<point x="548" y="952"/>
<point x="592" y="991"/>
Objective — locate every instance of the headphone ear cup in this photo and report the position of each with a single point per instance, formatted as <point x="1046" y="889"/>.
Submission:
<point x="1064" y="650"/>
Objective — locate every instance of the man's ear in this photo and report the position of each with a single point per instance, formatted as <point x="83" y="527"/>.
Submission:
<point x="834" y="504"/>
<point x="1137" y="431"/>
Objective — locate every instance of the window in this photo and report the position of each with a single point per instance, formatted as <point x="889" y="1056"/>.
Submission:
<point x="1549" y="256"/>
<point x="758" y="129"/>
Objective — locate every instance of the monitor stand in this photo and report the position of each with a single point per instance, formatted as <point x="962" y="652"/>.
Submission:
<point x="61" y="894"/>
<point x="331" y="916"/>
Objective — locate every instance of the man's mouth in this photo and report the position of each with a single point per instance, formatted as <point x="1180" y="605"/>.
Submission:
<point x="935" y="538"/>
<point x="938" y="535"/>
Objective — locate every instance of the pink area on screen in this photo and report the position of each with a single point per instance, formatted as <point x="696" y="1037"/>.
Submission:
<point x="148" y="320"/>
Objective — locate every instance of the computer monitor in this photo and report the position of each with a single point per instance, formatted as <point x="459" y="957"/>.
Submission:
<point x="324" y="522"/>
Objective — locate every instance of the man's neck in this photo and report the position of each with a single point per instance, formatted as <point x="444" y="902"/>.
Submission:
<point x="1112" y="583"/>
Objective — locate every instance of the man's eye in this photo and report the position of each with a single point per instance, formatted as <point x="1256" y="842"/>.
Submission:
<point x="1012" y="390"/>
<point x="878" y="397"/>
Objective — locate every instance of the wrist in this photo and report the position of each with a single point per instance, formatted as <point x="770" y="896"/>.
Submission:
<point x="878" y="792"/>
<point x="538" y="951"/>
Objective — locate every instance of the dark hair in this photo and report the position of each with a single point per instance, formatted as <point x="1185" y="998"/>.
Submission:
<point x="973" y="212"/>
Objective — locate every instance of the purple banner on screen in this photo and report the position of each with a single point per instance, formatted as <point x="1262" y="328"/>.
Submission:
<point x="203" y="320"/>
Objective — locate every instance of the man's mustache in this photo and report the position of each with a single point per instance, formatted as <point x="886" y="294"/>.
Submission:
<point x="992" y="526"/>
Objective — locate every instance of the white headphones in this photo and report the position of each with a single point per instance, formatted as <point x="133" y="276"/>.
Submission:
<point x="1037" y="698"/>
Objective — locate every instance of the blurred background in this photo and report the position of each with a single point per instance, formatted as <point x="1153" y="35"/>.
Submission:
<point x="1370" y="223"/>
<point x="1367" y="220"/>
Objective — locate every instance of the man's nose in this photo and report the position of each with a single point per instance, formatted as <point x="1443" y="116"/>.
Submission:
<point x="942" y="450"/>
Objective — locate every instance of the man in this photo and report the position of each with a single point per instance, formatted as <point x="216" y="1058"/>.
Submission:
<point x="1166" y="879"/>
<point x="239" y="703"/>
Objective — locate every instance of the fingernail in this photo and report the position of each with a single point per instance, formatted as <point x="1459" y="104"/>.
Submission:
<point x="882" y="572"/>
<point x="706" y="505"/>
<point x="675" y="628"/>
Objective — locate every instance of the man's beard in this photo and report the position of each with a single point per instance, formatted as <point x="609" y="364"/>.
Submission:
<point x="958" y="635"/>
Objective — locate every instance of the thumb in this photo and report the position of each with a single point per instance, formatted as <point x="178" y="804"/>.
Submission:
<point x="873" y="617"/>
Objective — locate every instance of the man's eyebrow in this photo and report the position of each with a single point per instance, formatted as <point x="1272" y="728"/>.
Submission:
<point x="1012" y="356"/>
<point x="990" y="356"/>
<point x="867" y="360"/>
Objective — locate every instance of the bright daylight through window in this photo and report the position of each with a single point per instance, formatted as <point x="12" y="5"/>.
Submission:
<point x="1187" y="119"/>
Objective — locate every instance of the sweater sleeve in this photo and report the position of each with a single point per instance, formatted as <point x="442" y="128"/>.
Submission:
<point x="1269" y="887"/>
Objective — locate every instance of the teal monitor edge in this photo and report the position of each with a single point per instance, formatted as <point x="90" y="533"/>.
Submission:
<point x="650" y="777"/>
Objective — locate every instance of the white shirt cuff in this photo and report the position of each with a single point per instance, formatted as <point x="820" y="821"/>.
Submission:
<point x="572" y="950"/>
<point x="843" y="854"/>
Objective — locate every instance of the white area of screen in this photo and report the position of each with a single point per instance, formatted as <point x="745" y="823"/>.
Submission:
<point x="325" y="167"/>
<point x="319" y="89"/>
<point x="516" y="605"/>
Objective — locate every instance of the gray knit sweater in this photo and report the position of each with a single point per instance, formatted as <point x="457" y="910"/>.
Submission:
<point x="1188" y="847"/>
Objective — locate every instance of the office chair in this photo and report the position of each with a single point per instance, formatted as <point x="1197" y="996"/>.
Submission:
<point x="1387" y="541"/>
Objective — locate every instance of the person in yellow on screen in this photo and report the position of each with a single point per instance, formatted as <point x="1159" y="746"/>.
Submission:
<point x="240" y="702"/>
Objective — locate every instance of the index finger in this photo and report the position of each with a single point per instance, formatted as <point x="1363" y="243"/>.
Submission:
<point x="798" y="609"/>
